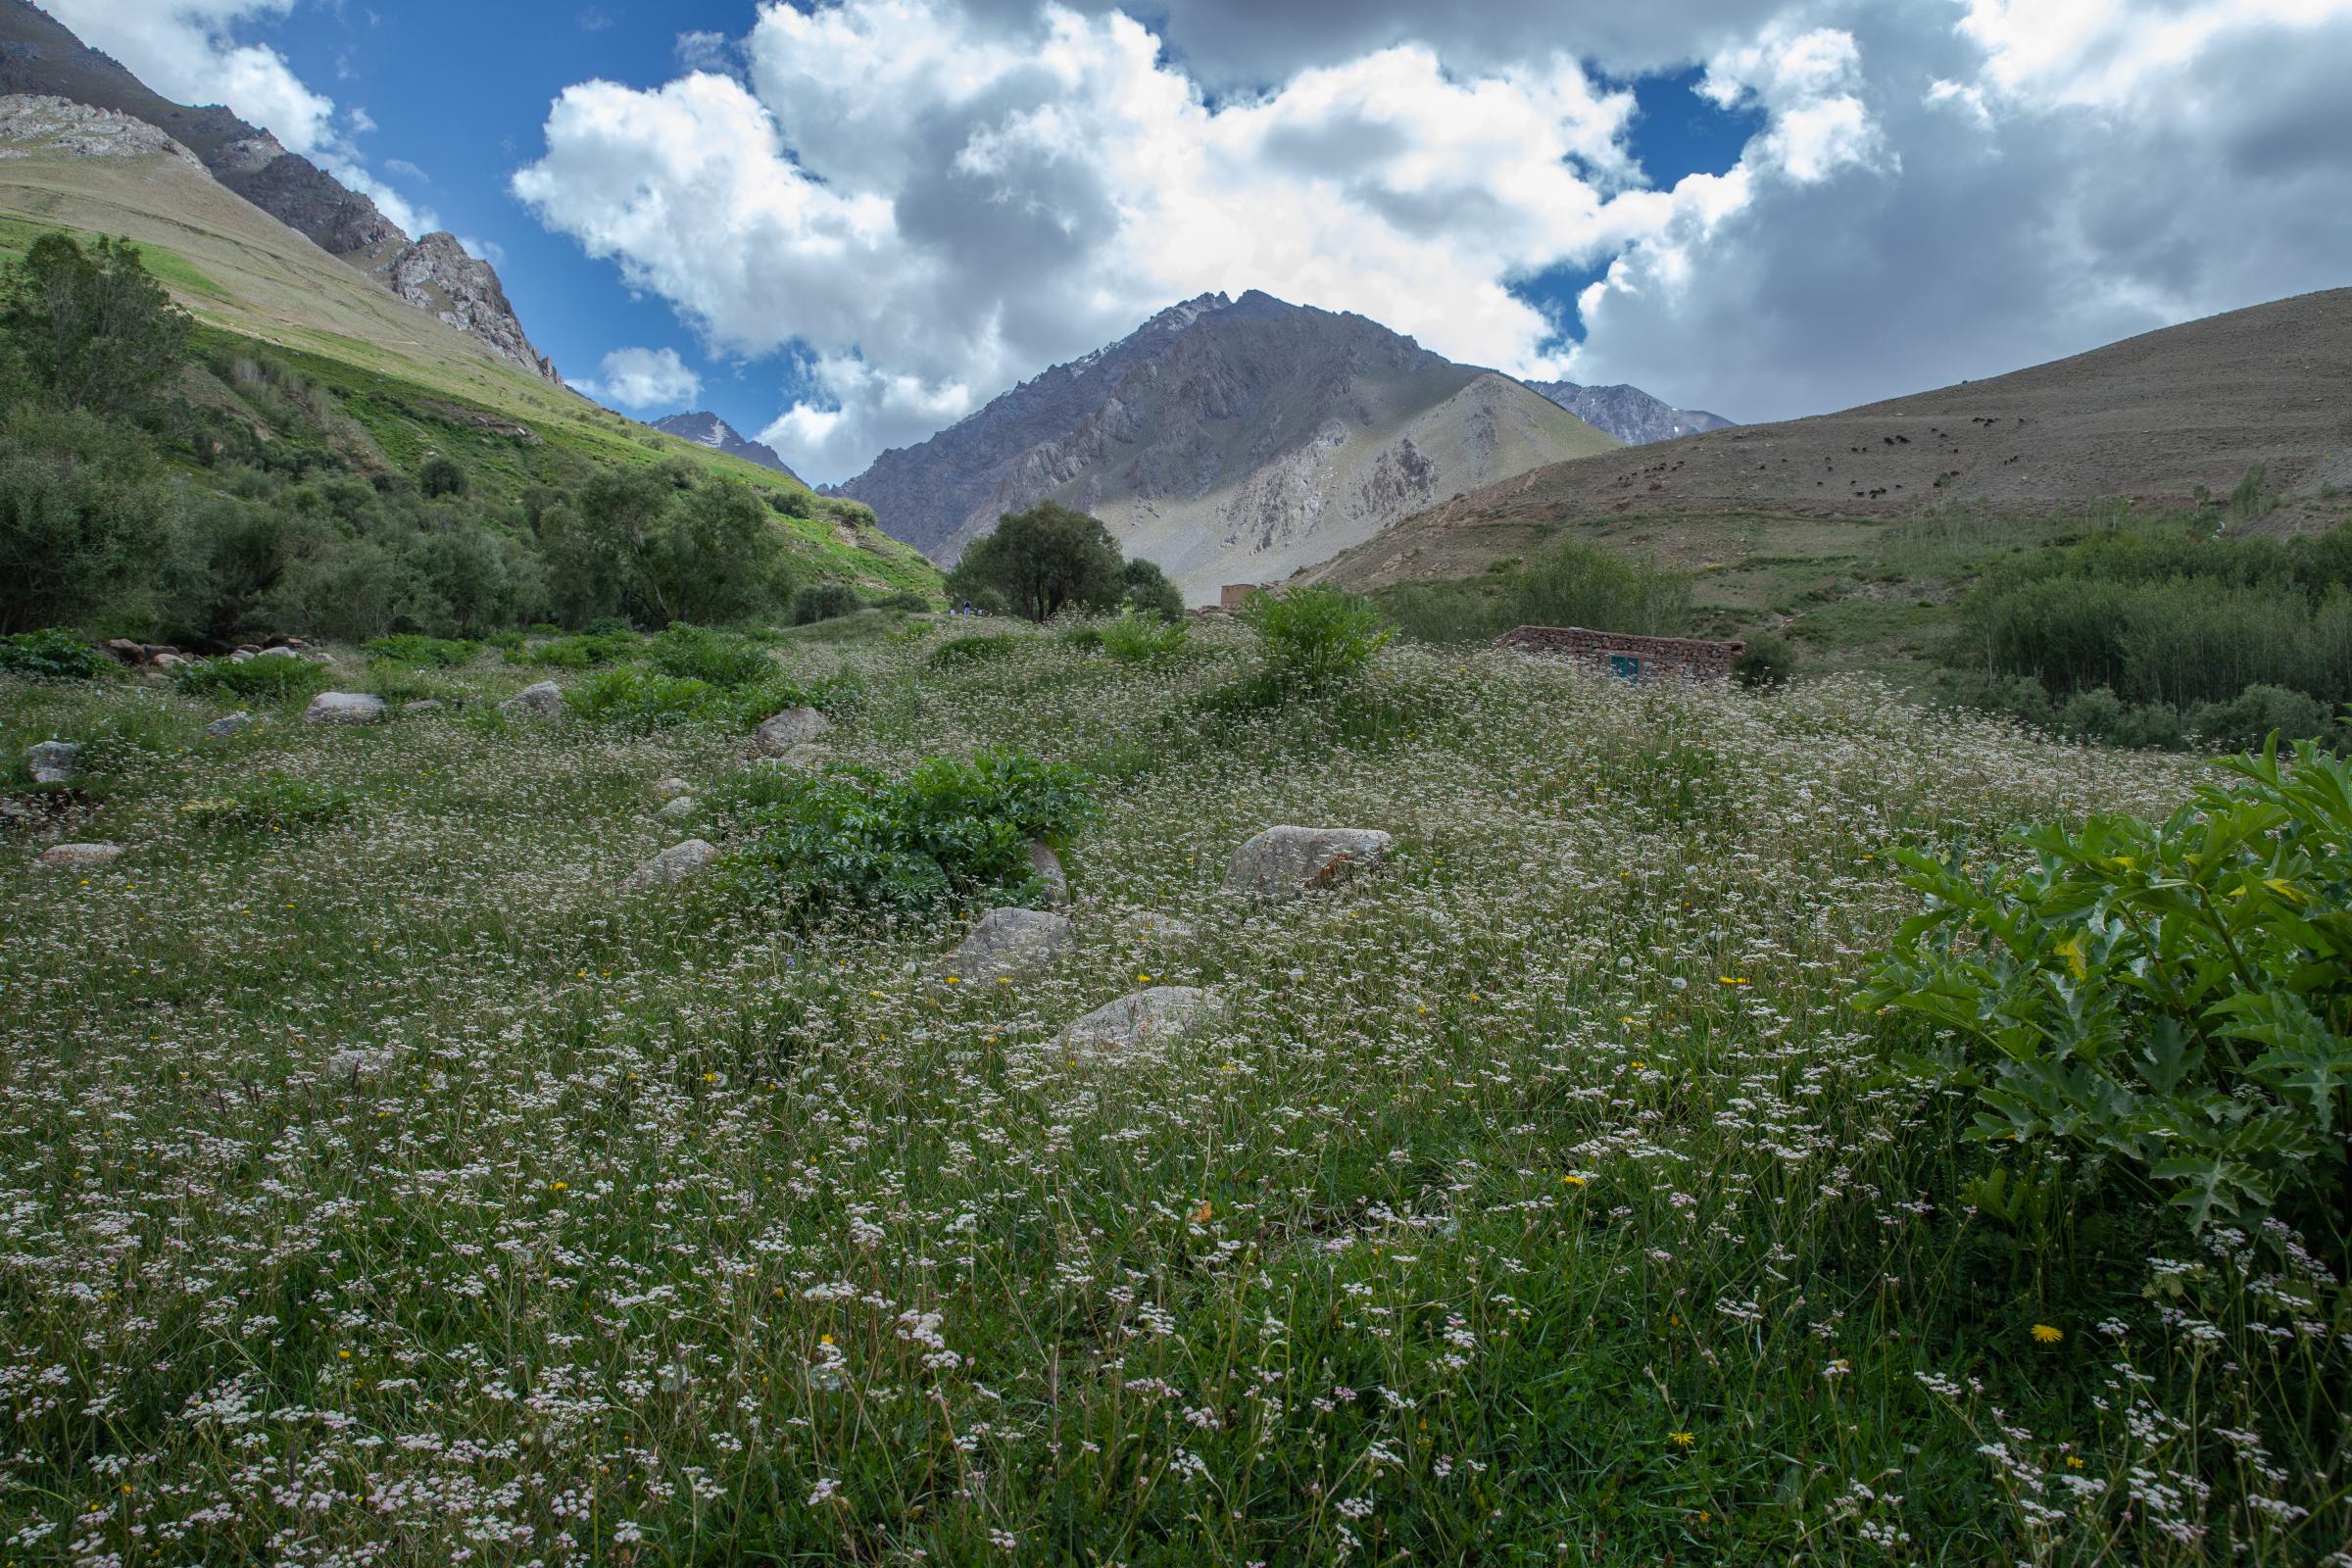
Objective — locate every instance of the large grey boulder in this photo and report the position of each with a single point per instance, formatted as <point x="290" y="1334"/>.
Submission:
<point x="1006" y="939"/>
<point x="674" y="864"/>
<point x="1142" y="1018"/>
<point x="1047" y="866"/>
<point x="228" y="724"/>
<point x="53" y="762"/>
<point x="676" y="808"/>
<point x="277" y="653"/>
<point x="792" y="727"/>
<point x="80" y="856"/>
<point x="540" y="700"/>
<point x="669" y="788"/>
<point x="343" y="707"/>
<point x="1284" y="861"/>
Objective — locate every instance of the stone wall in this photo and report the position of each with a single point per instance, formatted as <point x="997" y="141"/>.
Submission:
<point x="1230" y="596"/>
<point x="1691" y="657"/>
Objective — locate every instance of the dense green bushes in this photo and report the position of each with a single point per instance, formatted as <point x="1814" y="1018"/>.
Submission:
<point x="2151" y="637"/>
<point x="214" y="496"/>
<point x="2166" y="1007"/>
<point x="1314" y="636"/>
<point x="52" y="653"/>
<point x="1039" y="562"/>
<point x="944" y="831"/>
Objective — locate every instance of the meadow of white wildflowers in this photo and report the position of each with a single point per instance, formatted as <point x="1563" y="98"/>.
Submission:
<point x="386" y="1185"/>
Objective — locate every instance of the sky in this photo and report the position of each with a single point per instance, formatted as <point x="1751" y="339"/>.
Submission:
<point x="843" y="227"/>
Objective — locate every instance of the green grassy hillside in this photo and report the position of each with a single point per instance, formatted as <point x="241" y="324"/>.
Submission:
<point x="411" y="384"/>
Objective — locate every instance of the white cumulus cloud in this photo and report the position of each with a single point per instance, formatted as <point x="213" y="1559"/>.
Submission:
<point x="645" y="379"/>
<point x="917" y="202"/>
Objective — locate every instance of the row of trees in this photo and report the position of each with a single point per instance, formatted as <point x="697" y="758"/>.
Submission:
<point x="2146" y="637"/>
<point x="125" y="505"/>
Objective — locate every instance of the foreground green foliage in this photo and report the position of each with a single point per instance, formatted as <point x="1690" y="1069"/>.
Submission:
<point x="52" y="653"/>
<point x="947" y="830"/>
<point x="2166" y="1005"/>
<point x="397" y="1187"/>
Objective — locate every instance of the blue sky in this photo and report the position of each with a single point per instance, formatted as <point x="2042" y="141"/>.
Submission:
<point x="879" y="214"/>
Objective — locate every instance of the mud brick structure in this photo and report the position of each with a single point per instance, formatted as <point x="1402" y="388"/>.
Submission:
<point x="1626" y="657"/>
<point x="1231" y="596"/>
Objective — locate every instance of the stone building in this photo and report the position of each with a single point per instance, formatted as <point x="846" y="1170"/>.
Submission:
<point x="1626" y="655"/>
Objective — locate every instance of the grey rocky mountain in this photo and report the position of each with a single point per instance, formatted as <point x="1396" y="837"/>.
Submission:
<point x="1229" y="440"/>
<point x="1628" y="413"/>
<point x="40" y="56"/>
<point x="710" y="430"/>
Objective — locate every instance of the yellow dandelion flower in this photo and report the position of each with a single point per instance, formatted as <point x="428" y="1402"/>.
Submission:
<point x="1681" y="1440"/>
<point x="2043" y="1334"/>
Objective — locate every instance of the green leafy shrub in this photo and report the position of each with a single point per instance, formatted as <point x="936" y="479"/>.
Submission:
<point x="1315" y="636"/>
<point x="697" y="653"/>
<point x="1136" y="638"/>
<point x="53" y="654"/>
<point x="272" y="803"/>
<point x="264" y="679"/>
<point x="2166" y="1005"/>
<point x="943" y="832"/>
<point x="409" y="648"/>
<point x="906" y="600"/>
<point x="1768" y="659"/>
<point x="580" y="651"/>
<point x="958" y="652"/>
<point x="2257" y="711"/>
<point x="825" y="601"/>
<point x="641" y="702"/>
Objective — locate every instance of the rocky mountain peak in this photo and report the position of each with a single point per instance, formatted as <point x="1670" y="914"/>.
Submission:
<point x="708" y="429"/>
<point x="1225" y="436"/>
<point x="1628" y="413"/>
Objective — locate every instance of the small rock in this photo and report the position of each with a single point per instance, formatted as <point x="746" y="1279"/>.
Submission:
<point x="1284" y="861"/>
<point x="674" y="864"/>
<point x="793" y="726"/>
<point x="277" y="653"/>
<point x="80" y="856"/>
<point x="1006" y="939"/>
<point x="228" y="724"/>
<point x="671" y="788"/>
<point x="1142" y="1018"/>
<point x="1048" y="868"/>
<point x="422" y="705"/>
<point x="343" y="707"/>
<point x="804" y="755"/>
<point x="171" y="660"/>
<point x="244" y="656"/>
<point x="676" y="808"/>
<point x="1157" y="930"/>
<point x="122" y="651"/>
<point x="542" y="699"/>
<point x="53" y="762"/>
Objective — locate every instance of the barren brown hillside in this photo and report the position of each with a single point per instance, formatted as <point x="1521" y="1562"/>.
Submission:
<point x="2151" y="419"/>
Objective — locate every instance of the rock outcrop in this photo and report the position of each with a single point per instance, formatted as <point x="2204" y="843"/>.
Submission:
<point x="778" y="735"/>
<point x="672" y="866"/>
<point x="53" y="762"/>
<point x="539" y="700"/>
<point x="1155" y="1016"/>
<point x="1284" y="861"/>
<point x="1006" y="941"/>
<point x="343" y="707"/>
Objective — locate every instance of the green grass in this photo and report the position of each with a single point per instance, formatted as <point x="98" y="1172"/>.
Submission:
<point x="380" y="1172"/>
